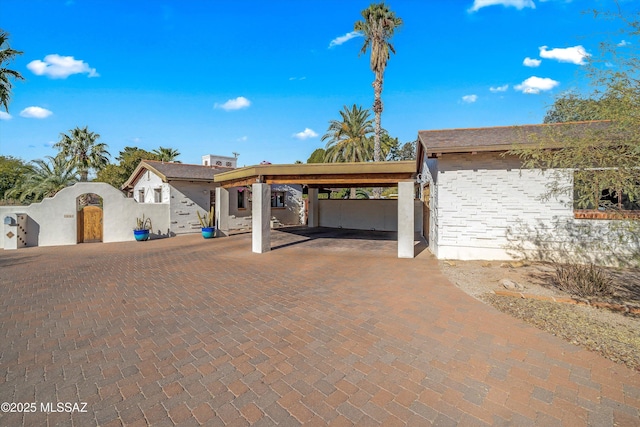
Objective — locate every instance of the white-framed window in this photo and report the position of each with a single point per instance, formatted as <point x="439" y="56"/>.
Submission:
<point x="277" y="199"/>
<point x="157" y="195"/>
<point x="141" y="195"/>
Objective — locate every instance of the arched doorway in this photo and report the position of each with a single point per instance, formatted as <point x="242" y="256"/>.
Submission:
<point x="89" y="218"/>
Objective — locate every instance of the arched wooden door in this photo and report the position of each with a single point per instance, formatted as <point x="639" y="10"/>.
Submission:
<point x="90" y="222"/>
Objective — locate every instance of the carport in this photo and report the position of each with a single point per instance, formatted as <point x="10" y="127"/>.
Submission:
<point x="316" y="176"/>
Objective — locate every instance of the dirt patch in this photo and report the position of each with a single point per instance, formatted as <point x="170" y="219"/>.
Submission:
<point x="614" y="335"/>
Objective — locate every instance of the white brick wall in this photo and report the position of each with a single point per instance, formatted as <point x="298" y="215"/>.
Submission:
<point x="483" y="206"/>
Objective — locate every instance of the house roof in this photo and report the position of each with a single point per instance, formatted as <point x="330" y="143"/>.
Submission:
<point x="168" y="171"/>
<point x="362" y="174"/>
<point x="434" y="142"/>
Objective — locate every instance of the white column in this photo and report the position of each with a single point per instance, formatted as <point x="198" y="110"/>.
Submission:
<point x="314" y="220"/>
<point x="405" y="220"/>
<point x="222" y="211"/>
<point x="261" y="218"/>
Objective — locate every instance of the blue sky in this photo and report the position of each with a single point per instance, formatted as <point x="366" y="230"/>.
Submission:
<point x="263" y="78"/>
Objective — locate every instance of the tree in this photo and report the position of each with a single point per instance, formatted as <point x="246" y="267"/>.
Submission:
<point x="571" y="107"/>
<point x="7" y="55"/>
<point x="11" y="171"/>
<point x="45" y="179"/>
<point x="81" y="148"/>
<point x="348" y="139"/>
<point x="604" y="159"/>
<point x="317" y="156"/>
<point x="406" y="152"/>
<point x="378" y="26"/>
<point x="167" y="154"/>
<point x="128" y="160"/>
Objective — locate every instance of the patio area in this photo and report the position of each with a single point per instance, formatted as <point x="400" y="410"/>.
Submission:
<point x="328" y="328"/>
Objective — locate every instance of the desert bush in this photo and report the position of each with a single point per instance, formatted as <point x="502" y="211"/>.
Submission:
<point x="583" y="280"/>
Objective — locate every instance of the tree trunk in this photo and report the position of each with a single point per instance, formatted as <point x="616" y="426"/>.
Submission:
<point x="377" y="109"/>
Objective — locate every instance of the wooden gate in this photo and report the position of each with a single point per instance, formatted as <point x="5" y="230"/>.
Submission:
<point x="90" y="224"/>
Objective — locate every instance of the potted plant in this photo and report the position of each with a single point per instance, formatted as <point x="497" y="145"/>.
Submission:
<point x="143" y="225"/>
<point x="206" y="222"/>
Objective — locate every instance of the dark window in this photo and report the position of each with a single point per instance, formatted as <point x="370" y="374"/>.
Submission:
<point x="241" y="204"/>
<point x="277" y="199"/>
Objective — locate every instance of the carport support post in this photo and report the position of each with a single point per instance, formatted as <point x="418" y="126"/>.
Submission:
<point x="261" y="218"/>
<point x="222" y="211"/>
<point x="313" y="208"/>
<point x="405" y="220"/>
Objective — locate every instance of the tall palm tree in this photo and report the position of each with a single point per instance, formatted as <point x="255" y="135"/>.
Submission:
<point x="45" y="179"/>
<point x="167" y="154"/>
<point x="81" y="148"/>
<point x="348" y="138"/>
<point x="6" y="56"/>
<point x="378" y="26"/>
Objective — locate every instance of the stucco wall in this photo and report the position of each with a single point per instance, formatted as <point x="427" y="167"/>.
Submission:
<point x="291" y="214"/>
<point x="381" y="215"/>
<point x="149" y="182"/>
<point x="484" y="206"/>
<point x="54" y="220"/>
<point x="186" y="199"/>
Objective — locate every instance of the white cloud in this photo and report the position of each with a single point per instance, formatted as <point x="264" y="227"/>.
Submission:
<point x="305" y="134"/>
<point x="5" y="116"/>
<point x="518" y="4"/>
<point x="297" y="78"/>
<point x="502" y="88"/>
<point x="623" y="43"/>
<point x="234" y="104"/>
<point x="535" y="85"/>
<point x="529" y="62"/>
<point x="242" y="139"/>
<point x="35" y="113"/>
<point x="574" y="55"/>
<point x="469" y="99"/>
<point x="60" y="67"/>
<point x="343" y="39"/>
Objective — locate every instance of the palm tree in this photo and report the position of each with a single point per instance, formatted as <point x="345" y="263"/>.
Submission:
<point x="83" y="151"/>
<point x="45" y="179"/>
<point x="378" y="26"/>
<point x="348" y="139"/>
<point x="167" y="154"/>
<point x="6" y="56"/>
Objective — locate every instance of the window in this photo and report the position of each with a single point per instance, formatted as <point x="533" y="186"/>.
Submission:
<point x="141" y="195"/>
<point x="592" y="197"/>
<point x="228" y="164"/>
<point x="277" y="199"/>
<point x="157" y="195"/>
<point x="241" y="204"/>
<point x="218" y="163"/>
<point x="206" y="162"/>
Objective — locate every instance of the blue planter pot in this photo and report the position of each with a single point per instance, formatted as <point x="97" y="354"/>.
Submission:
<point x="141" y="235"/>
<point x="208" y="232"/>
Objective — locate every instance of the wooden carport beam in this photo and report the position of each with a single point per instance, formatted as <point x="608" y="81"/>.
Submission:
<point x="364" y="174"/>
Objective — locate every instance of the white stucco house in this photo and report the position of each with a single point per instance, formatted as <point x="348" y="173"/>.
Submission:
<point x="186" y="189"/>
<point x="483" y="205"/>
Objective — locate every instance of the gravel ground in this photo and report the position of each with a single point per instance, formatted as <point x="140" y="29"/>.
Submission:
<point x="614" y="335"/>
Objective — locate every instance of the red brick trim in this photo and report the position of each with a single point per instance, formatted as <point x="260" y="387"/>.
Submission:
<point x="595" y="214"/>
<point x="598" y="304"/>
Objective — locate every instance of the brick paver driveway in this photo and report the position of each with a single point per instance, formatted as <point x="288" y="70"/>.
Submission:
<point x="188" y="331"/>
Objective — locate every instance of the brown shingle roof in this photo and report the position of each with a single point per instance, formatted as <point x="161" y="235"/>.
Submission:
<point x="168" y="171"/>
<point x="492" y="138"/>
